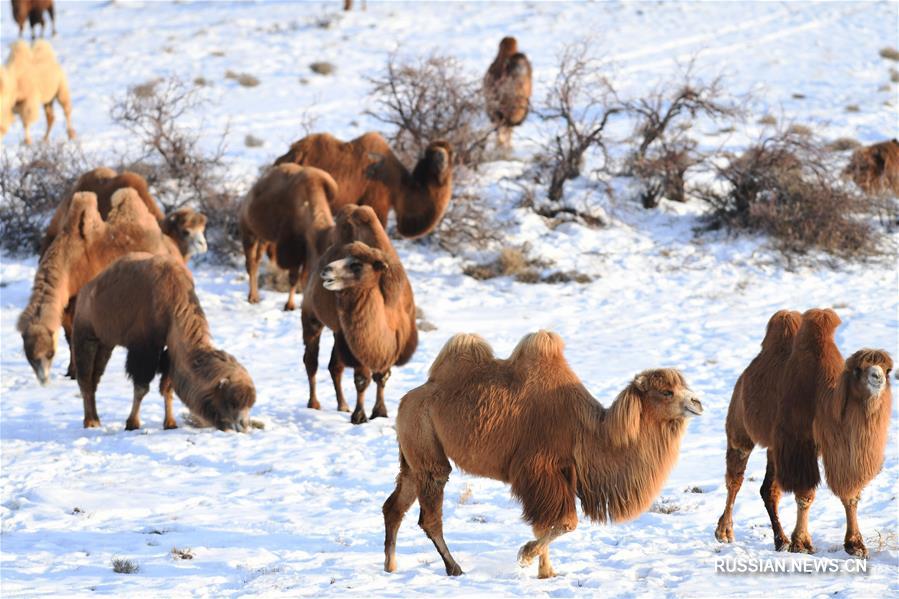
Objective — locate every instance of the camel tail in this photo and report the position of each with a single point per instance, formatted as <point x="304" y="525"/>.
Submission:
<point x="465" y="347"/>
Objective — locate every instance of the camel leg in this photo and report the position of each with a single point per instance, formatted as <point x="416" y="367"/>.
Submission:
<point x="92" y="357"/>
<point x="312" y="333"/>
<point x="141" y="365"/>
<point x="558" y="489"/>
<point x="395" y="509"/>
<point x="504" y="137"/>
<point x="801" y="541"/>
<point x="133" y="422"/>
<point x="539" y="547"/>
<point x="853" y="544"/>
<point x="430" y="519"/>
<point x="335" y="367"/>
<point x="252" y="257"/>
<point x="52" y="11"/>
<point x="165" y="388"/>
<point x="48" y="112"/>
<point x="736" y="467"/>
<point x="68" y="317"/>
<point x="770" y="492"/>
<point x="362" y="379"/>
<point x="380" y="409"/>
<point x="293" y="277"/>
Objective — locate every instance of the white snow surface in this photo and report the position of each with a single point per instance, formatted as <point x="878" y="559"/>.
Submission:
<point x="295" y="509"/>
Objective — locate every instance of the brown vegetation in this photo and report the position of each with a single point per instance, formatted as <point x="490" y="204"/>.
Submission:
<point x="507" y="89"/>
<point x="528" y="421"/>
<point x="164" y="330"/>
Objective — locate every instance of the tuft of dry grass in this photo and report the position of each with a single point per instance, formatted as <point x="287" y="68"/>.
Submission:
<point x="217" y="53"/>
<point x="244" y="79"/>
<point x="880" y="540"/>
<point x="124" y="566"/>
<point x="889" y="53"/>
<point x="322" y="68"/>
<point x="843" y="144"/>
<point x="251" y="141"/>
<point x="768" y="119"/>
<point x="182" y="554"/>
<point x="894" y="75"/>
<point x="202" y="81"/>
<point x="800" y="130"/>
<point x="664" y="505"/>
<point x="513" y="262"/>
<point x="798" y="96"/>
<point x="853" y="108"/>
<point x="465" y="495"/>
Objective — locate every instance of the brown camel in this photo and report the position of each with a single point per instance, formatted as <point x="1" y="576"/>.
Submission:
<point x="85" y="246"/>
<point x="528" y="421"/>
<point x="369" y="174"/>
<point x="875" y="168"/>
<point x="33" y="11"/>
<point x="185" y="226"/>
<point x="164" y="330"/>
<point x="507" y="89"/>
<point x="795" y="402"/>
<point x="361" y="293"/>
<point x="287" y="207"/>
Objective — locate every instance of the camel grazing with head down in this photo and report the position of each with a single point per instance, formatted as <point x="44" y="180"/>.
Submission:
<point x="528" y="421"/>
<point x="800" y="400"/>
<point x="85" y="246"/>
<point x="165" y="330"/>
<point x="287" y="207"/>
<point x="32" y="78"/>
<point x="369" y="174"/>
<point x="33" y="11"/>
<point x="185" y="226"/>
<point x="507" y="89"/>
<point x="362" y="293"/>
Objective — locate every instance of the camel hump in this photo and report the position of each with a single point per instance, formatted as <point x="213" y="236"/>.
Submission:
<point x="824" y="320"/>
<point x="127" y="205"/>
<point x="101" y="172"/>
<point x="782" y="327"/>
<point x="539" y="346"/>
<point x="466" y="347"/>
<point x="42" y="50"/>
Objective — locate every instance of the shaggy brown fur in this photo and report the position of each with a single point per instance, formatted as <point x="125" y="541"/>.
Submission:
<point x="751" y="420"/>
<point x="33" y="11"/>
<point x="287" y="207"/>
<point x="371" y="310"/>
<point x="185" y="226"/>
<point x="85" y="247"/>
<point x="33" y="78"/>
<point x="507" y="89"/>
<point x="162" y="312"/>
<point x="529" y="421"/>
<point x="369" y="174"/>
<point x="875" y="168"/>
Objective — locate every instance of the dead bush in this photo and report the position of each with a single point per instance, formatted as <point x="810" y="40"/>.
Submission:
<point x="468" y="224"/>
<point x="580" y="103"/>
<point x="514" y="262"/>
<point x="429" y="99"/>
<point x="785" y="186"/>
<point x="124" y="566"/>
<point x="171" y="156"/>
<point x="33" y="180"/>
<point x="322" y="68"/>
<point x="663" y="148"/>
<point x="844" y="144"/>
<point x="243" y="79"/>
<point x="889" y="53"/>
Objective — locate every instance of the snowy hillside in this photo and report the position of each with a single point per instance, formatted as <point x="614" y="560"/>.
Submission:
<point x="294" y="509"/>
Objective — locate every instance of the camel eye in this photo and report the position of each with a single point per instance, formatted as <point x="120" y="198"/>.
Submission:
<point x="668" y="393"/>
<point x="356" y="267"/>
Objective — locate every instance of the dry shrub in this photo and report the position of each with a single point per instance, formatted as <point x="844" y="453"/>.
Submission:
<point x="514" y="262"/>
<point x="182" y="554"/>
<point x="844" y="144"/>
<point x="33" y="180"/>
<point x="251" y="141"/>
<point x="786" y="186"/>
<point x="322" y="68"/>
<point x="428" y="99"/>
<point x="124" y="566"/>
<point x="768" y="119"/>
<point x="243" y="79"/>
<point x="853" y="108"/>
<point x="468" y="224"/>
<point x="894" y="75"/>
<point x="889" y="53"/>
<point x="177" y="168"/>
<point x="664" y="151"/>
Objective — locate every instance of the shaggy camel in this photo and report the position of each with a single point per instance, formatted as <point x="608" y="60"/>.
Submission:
<point x="287" y="207"/>
<point x="362" y="293"/>
<point x="33" y="11"/>
<point x="875" y="168"/>
<point x="529" y="421"/>
<point x="33" y="78"/>
<point x="369" y="174"/>
<point x="185" y="226"/>
<point x="800" y="400"/>
<point x="85" y="247"/>
<point x="164" y="330"/>
<point x="507" y="89"/>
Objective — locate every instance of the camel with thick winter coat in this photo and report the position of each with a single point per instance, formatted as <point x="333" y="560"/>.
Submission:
<point x="33" y="12"/>
<point x="164" y="330"/>
<point x="85" y="247"/>
<point x="507" y="89"/>
<point x="368" y="173"/>
<point x="875" y="168"/>
<point x="528" y="421"/>
<point x="794" y="399"/>
<point x="287" y="207"/>
<point x="31" y="78"/>
<point x="360" y="292"/>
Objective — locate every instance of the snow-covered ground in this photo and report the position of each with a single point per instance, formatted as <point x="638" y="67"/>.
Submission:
<point x="294" y="509"/>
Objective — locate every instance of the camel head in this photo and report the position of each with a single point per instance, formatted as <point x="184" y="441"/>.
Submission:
<point x="654" y="396"/>
<point x="508" y="46"/>
<point x="867" y="378"/>
<point x="187" y="227"/>
<point x="229" y="392"/>
<point x="362" y="267"/>
<point x="40" y="347"/>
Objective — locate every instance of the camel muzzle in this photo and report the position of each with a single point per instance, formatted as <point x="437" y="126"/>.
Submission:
<point x="692" y="406"/>
<point x="41" y="369"/>
<point x="197" y="244"/>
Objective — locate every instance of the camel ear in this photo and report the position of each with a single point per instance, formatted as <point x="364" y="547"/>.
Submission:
<point x="623" y="418"/>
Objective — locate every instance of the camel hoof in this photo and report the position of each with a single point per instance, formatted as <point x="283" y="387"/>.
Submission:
<point x="454" y="570"/>
<point x="549" y="573"/>
<point x="342" y="407"/>
<point x="253" y="299"/>
<point x="390" y="564"/>
<point x="132" y="425"/>
<point x="526" y="554"/>
<point x="358" y="417"/>
<point x="856" y="548"/>
<point x="169" y="425"/>
<point x="376" y="413"/>
<point x="290" y="307"/>
<point x="724" y="533"/>
<point x="801" y="545"/>
<point x="781" y="543"/>
<point x="91" y="423"/>
<point x="314" y="405"/>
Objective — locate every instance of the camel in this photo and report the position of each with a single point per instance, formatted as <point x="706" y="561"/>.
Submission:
<point x="800" y="400"/>
<point x="287" y="207"/>
<point x="875" y="168"/>
<point x="507" y="89"/>
<point x="528" y="421"/>
<point x="363" y="295"/>
<point x="165" y="330"/>
<point x="185" y="226"/>
<point x="31" y="78"/>
<point x="33" y="11"/>
<point x="85" y="246"/>
<point x="369" y="174"/>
